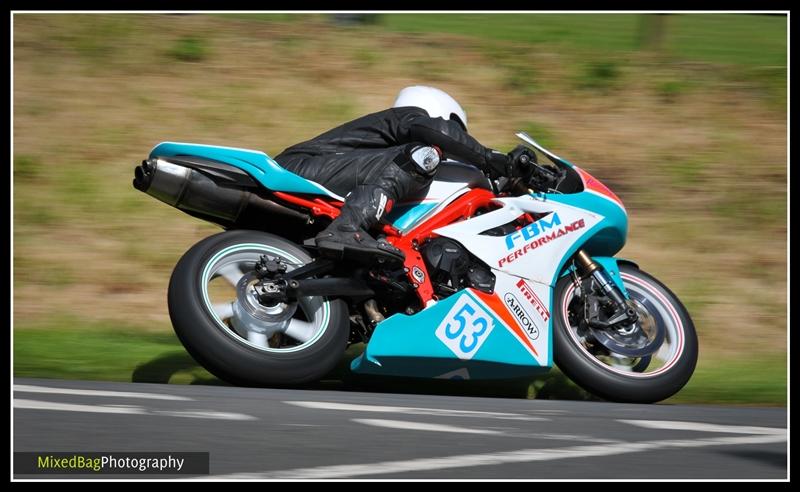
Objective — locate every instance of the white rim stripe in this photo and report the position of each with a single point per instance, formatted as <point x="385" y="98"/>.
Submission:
<point x="661" y="298"/>
<point x="205" y="278"/>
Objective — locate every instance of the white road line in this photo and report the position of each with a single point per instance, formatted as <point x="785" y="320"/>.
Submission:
<point x="127" y="409"/>
<point x="422" y="426"/>
<point x="520" y="456"/>
<point x="703" y="427"/>
<point x="72" y="407"/>
<point x="564" y="437"/>
<point x="24" y="388"/>
<point x="511" y="432"/>
<point x="437" y="412"/>
<point x="204" y="414"/>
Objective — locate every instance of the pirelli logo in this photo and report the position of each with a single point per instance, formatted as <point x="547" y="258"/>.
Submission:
<point x="531" y="296"/>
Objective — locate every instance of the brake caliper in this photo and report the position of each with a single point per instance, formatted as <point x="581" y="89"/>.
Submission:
<point x="271" y="289"/>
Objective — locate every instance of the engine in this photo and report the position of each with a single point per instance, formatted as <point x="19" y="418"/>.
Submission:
<point x="452" y="268"/>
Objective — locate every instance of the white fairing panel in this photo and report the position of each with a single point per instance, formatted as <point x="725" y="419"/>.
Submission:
<point x="529" y="306"/>
<point x="438" y="191"/>
<point x="419" y="207"/>
<point x="525" y="262"/>
<point x="535" y="251"/>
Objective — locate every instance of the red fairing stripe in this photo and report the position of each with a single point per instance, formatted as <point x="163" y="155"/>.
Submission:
<point x="593" y="184"/>
<point x="496" y="305"/>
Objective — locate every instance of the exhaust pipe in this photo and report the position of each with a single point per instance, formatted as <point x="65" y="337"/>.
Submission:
<point x="191" y="191"/>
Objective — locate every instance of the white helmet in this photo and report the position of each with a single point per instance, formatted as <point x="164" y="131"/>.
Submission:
<point x="436" y="102"/>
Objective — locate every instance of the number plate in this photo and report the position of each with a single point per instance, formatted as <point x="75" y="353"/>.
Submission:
<point x="465" y="328"/>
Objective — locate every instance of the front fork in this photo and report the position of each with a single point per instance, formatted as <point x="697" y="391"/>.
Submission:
<point x="611" y="304"/>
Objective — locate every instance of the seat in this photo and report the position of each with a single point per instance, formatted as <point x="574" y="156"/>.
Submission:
<point x="257" y="164"/>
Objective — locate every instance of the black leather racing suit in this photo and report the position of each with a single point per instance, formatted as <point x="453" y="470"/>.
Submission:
<point x="373" y="150"/>
<point x="368" y="161"/>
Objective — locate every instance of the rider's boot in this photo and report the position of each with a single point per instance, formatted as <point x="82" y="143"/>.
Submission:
<point x="347" y="237"/>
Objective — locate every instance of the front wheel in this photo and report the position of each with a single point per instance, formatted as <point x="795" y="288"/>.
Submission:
<point x="615" y="377"/>
<point x="219" y="319"/>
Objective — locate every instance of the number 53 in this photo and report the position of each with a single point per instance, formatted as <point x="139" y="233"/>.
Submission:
<point x="465" y="328"/>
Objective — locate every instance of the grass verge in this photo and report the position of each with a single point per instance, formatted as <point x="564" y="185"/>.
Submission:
<point x="100" y="351"/>
<point x="760" y="380"/>
<point x="114" y="353"/>
<point x="722" y="38"/>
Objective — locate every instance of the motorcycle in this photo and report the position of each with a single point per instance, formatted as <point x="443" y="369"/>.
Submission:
<point x="502" y="278"/>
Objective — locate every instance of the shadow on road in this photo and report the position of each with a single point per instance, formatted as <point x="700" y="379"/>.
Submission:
<point x="553" y="385"/>
<point x="163" y="367"/>
<point x="778" y="460"/>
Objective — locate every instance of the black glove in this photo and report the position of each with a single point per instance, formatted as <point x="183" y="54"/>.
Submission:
<point x="519" y="163"/>
<point x="498" y="163"/>
<point x="522" y="161"/>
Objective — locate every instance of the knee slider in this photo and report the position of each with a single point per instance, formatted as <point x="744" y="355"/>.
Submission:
<point x="420" y="160"/>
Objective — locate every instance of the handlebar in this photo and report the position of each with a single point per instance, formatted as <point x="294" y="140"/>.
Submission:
<point x="539" y="177"/>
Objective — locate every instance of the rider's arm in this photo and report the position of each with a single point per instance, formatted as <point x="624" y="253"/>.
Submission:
<point x="454" y="142"/>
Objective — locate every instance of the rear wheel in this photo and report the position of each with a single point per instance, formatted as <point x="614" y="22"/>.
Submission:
<point x="612" y="376"/>
<point x="218" y="318"/>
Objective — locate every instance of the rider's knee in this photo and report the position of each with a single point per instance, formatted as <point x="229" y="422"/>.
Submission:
<point x="419" y="160"/>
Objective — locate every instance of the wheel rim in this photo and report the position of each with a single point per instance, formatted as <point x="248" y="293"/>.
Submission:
<point x="231" y="304"/>
<point x="654" y="307"/>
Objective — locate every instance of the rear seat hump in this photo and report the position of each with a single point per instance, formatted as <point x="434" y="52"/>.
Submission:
<point x="256" y="163"/>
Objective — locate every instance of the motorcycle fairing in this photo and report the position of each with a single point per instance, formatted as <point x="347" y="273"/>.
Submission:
<point x="522" y="301"/>
<point x="452" y="180"/>
<point x="493" y="348"/>
<point x="404" y="216"/>
<point x="258" y="164"/>
<point x="426" y="203"/>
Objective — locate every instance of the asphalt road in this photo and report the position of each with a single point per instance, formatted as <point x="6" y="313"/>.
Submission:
<point x="310" y="434"/>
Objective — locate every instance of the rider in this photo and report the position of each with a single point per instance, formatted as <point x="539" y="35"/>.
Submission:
<point x="383" y="157"/>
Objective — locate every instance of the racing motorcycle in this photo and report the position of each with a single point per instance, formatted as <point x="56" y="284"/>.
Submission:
<point x="502" y="278"/>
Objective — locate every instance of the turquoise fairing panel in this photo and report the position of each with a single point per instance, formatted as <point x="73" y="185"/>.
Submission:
<point x="609" y="235"/>
<point x="405" y="216"/>
<point x="452" y="369"/>
<point x="408" y="346"/>
<point x="606" y="238"/>
<point x="257" y="164"/>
